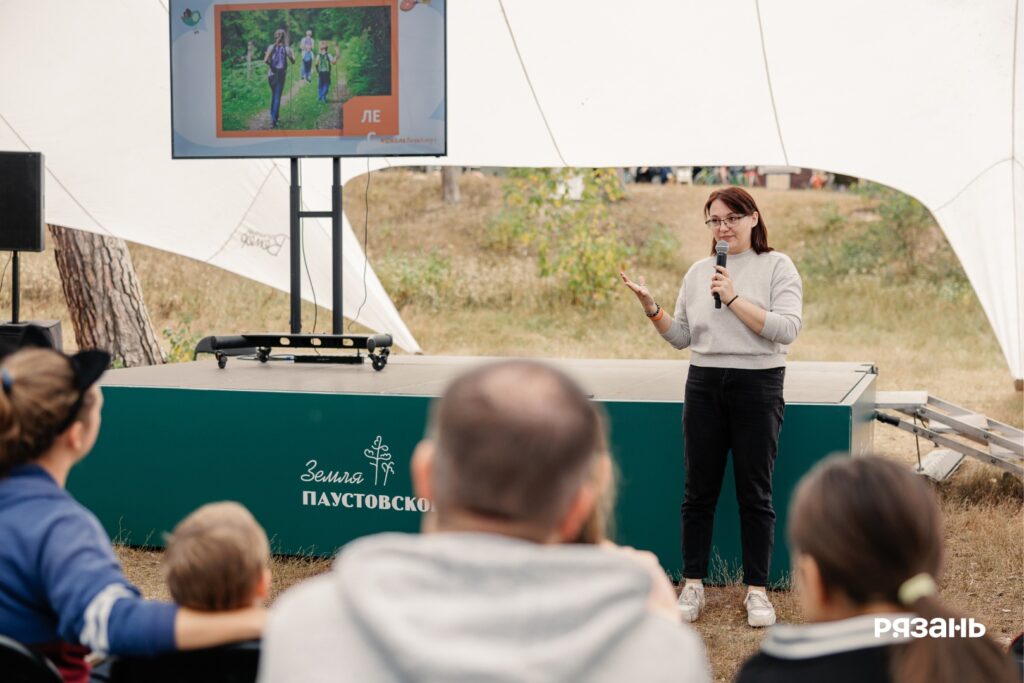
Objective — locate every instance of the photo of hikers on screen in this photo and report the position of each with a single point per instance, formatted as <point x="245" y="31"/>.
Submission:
<point x="270" y="60"/>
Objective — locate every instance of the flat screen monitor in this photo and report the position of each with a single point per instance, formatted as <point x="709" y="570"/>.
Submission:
<point x="326" y="78"/>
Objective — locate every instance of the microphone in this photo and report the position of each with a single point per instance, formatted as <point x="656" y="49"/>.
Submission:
<point x="721" y="248"/>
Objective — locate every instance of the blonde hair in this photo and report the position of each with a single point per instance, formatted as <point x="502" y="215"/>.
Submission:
<point x="215" y="558"/>
<point x="36" y="401"/>
<point x="600" y="524"/>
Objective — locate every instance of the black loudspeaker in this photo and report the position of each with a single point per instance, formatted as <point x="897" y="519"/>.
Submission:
<point x="10" y="334"/>
<point x="21" y="201"/>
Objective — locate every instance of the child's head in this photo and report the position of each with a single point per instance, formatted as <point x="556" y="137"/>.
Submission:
<point x="866" y="525"/>
<point x="309" y="34"/>
<point x="866" y="535"/>
<point x="218" y="558"/>
<point x="323" y="46"/>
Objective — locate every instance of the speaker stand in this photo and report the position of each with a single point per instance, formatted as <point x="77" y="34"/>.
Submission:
<point x="15" y="288"/>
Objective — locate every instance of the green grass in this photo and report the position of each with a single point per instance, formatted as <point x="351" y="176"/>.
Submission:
<point x="302" y="110"/>
<point x="245" y="98"/>
<point x="242" y="97"/>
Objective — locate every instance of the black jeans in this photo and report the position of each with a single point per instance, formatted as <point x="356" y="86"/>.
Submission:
<point x="739" y="410"/>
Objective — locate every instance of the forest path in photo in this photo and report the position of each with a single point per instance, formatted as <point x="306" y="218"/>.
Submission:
<point x="262" y="120"/>
<point x="359" y="41"/>
<point x="337" y="96"/>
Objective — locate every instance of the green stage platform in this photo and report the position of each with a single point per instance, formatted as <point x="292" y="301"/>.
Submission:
<point x="320" y="454"/>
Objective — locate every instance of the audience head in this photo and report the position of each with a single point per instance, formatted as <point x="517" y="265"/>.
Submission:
<point x="512" y="447"/>
<point x="218" y="559"/>
<point x="864" y="526"/>
<point x="48" y="400"/>
<point x="866" y="536"/>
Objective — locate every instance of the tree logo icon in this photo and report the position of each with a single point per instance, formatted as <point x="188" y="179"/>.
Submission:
<point x="380" y="456"/>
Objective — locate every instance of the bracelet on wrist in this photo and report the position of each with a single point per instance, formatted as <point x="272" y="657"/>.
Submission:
<point x="657" y="310"/>
<point x="731" y="300"/>
<point x="657" y="316"/>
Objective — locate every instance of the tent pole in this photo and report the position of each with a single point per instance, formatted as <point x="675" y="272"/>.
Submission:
<point x="336" y="244"/>
<point x="295" y="239"/>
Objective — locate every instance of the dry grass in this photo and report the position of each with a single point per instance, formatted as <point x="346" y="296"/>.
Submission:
<point x="495" y="304"/>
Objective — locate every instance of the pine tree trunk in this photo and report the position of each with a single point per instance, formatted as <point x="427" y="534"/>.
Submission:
<point x="104" y="296"/>
<point x="450" y="184"/>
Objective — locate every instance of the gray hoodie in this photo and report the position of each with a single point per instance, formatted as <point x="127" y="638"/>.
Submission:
<point x="476" y="607"/>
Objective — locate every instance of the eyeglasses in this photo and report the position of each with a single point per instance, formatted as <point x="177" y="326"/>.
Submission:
<point x="730" y="221"/>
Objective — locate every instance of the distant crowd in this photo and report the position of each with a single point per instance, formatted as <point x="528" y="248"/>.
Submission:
<point x="779" y="177"/>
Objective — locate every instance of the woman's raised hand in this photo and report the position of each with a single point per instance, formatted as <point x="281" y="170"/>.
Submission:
<point x="642" y="292"/>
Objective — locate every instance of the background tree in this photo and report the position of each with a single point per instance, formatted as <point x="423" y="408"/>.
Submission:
<point x="561" y="215"/>
<point x="104" y="296"/>
<point x="450" y="184"/>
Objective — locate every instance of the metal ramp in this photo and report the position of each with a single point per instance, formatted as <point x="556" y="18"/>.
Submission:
<point x="957" y="432"/>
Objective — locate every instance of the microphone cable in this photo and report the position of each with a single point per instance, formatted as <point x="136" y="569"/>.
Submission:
<point x="366" y="244"/>
<point x="309" y="277"/>
<point x="305" y="263"/>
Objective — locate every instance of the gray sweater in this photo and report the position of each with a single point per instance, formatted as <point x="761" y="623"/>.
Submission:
<point x="464" y="607"/>
<point x="717" y="337"/>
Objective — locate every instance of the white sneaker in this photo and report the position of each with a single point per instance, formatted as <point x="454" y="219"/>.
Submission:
<point x="691" y="601"/>
<point x="759" y="609"/>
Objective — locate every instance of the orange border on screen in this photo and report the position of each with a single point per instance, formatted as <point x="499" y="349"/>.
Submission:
<point x="311" y="4"/>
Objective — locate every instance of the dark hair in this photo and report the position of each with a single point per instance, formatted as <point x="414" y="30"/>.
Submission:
<point x="740" y="201"/>
<point x="514" y="441"/>
<point x="870" y="524"/>
<point x="35" y="407"/>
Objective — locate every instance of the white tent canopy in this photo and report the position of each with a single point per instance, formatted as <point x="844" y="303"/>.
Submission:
<point x="923" y="96"/>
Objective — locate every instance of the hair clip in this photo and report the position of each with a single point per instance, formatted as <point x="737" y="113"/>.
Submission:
<point x="7" y="380"/>
<point x="916" y="587"/>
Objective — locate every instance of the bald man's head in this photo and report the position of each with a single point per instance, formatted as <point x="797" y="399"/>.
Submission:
<point x="514" y="441"/>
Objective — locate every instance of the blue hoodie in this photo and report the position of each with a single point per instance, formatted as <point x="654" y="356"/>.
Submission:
<point x="60" y="580"/>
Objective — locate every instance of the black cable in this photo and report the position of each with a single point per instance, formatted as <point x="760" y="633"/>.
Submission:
<point x="309" y="278"/>
<point x="366" y="243"/>
<point x="4" y="275"/>
<point x="917" y="441"/>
